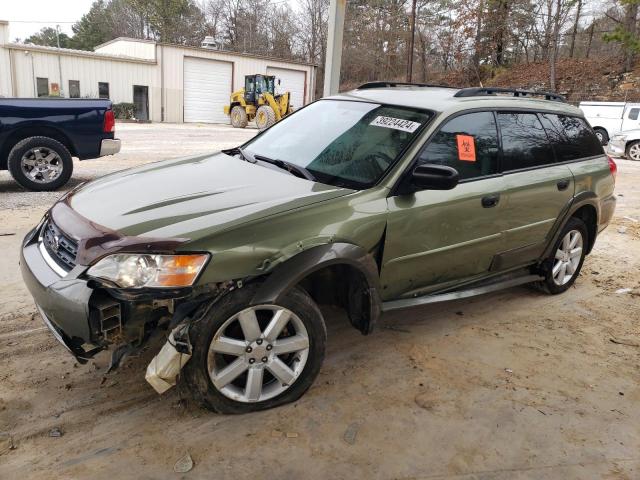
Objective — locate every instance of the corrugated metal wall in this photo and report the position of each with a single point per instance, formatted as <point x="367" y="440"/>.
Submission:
<point x="129" y="48"/>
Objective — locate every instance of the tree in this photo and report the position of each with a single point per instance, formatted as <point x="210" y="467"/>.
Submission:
<point x="92" y="30"/>
<point x="49" y="37"/>
<point x="625" y="32"/>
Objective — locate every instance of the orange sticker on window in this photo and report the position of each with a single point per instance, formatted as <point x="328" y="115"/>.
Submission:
<point x="466" y="148"/>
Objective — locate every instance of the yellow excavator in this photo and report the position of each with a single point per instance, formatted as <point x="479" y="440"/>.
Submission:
<point x="258" y="101"/>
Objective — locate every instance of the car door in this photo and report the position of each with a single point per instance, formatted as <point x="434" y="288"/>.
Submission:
<point x="630" y="119"/>
<point x="538" y="187"/>
<point x="434" y="237"/>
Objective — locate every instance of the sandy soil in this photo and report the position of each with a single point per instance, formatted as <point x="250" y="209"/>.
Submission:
<point x="510" y="385"/>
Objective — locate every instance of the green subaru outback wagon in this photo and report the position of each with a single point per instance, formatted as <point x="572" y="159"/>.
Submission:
<point x="385" y="197"/>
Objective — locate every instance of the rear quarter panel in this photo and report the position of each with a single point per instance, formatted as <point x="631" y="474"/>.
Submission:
<point x="80" y="121"/>
<point x="594" y="175"/>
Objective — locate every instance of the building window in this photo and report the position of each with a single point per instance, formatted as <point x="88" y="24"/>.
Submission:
<point x="103" y="90"/>
<point x="43" y="86"/>
<point x="74" y="88"/>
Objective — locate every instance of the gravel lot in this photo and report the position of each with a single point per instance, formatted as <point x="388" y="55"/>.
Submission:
<point x="141" y="143"/>
<point x="511" y="385"/>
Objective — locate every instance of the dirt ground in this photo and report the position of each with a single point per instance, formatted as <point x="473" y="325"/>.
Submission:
<point x="510" y="385"/>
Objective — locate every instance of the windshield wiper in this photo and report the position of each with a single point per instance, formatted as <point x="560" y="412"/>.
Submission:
<point x="243" y="155"/>
<point x="292" y="168"/>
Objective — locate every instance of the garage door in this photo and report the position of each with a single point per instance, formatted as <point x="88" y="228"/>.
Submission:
<point x="292" y="81"/>
<point x="207" y="87"/>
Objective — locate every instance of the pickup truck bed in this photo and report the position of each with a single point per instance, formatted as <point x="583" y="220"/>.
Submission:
<point x="38" y="137"/>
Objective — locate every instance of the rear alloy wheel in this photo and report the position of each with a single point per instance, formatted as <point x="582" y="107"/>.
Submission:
<point x="40" y="163"/>
<point x="265" y="117"/>
<point x="633" y="151"/>
<point x="248" y="358"/>
<point x="239" y="117"/>
<point x="566" y="261"/>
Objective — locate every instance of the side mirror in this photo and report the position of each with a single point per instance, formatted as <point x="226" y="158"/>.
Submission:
<point x="434" y="177"/>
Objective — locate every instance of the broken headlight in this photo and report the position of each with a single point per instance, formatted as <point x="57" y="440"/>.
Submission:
<point x="129" y="270"/>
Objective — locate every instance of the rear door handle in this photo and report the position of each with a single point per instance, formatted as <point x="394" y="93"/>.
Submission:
<point x="490" y="200"/>
<point x="563" y="184"/>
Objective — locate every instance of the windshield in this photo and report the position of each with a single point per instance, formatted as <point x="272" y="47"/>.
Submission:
<point x="342" y="143"/>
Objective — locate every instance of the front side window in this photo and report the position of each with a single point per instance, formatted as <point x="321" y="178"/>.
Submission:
<point x="571" y="138"/>
<point x="524" y="141"/>
<point x="103" y="90"/>
<point x="468" y="143"/>
<point x="345" y="143"/>
<point x="43" y="86"/>
<point x="633" y="113"/>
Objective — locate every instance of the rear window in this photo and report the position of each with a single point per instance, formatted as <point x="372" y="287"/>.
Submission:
<point x="570" y="137"/>
<point x="524" y="141"/>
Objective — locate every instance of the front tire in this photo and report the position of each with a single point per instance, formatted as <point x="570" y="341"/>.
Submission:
<point x="632" y="151"/>
<point x="248" y="358"/>
<point x="265" y="117"/>
<point x="565" y="263"/>
<point x="239" y="117"/>
<point x="40" y="164"/>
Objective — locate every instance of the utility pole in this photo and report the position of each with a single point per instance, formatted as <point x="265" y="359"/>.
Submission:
<point x="60" y="89"/>
<point x="411" y="42"/>
<point x="333" y="58"/>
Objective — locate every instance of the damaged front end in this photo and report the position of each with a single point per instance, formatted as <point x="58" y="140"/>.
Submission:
<point x="94" y="297"/>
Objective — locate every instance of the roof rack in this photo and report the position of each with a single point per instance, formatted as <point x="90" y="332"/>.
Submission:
<point x="383" y="84"/>
<point x="481" y="91"/>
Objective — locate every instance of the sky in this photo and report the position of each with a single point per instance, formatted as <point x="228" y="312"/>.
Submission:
<point x="29" y="16"/>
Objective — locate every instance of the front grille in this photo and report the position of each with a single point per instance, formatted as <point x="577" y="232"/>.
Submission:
<point x="60" y="247"/>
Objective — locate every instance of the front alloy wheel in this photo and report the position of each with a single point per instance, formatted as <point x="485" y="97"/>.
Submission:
<point x="633" y="151"/>
<point x="251" y="363"/>
<point x="252" y="357"/>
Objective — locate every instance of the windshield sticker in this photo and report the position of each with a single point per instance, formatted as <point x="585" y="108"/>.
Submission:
<point x="396" y="124"/>
<point x="466" y="148"/>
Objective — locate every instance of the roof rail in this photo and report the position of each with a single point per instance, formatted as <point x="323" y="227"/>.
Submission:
<point x="481" y="91"/>
<point x="384" y="84"/>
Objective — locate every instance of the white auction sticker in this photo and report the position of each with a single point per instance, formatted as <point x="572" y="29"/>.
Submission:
<point x="396" y="123"/>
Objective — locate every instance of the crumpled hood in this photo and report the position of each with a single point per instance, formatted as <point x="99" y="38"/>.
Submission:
<point x="195" y="197"/>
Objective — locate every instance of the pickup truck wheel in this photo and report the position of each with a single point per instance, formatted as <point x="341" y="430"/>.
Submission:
<point x="265" y="117"/>
<point x="248" y="358"/>
<point x="633" y="151"/>
<point x="567" y="257"/>
<point x="239" y="117"/>
<point x="40" y="163"/>
<point x="602" y="135"/>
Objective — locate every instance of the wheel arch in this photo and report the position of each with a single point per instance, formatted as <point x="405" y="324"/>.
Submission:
<point x="351" y="271"/>
<point x="21" y="133"/>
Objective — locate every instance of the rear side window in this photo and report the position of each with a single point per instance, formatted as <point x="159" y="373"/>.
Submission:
<point x="571" y="137"/>
<point x="468" y="143"/>
<point x="524" y="141"/>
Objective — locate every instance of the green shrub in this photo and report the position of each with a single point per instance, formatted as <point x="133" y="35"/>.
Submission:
<point x="123" y="111"/>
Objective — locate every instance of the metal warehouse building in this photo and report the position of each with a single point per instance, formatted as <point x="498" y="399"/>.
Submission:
<point x="166" y="83"/>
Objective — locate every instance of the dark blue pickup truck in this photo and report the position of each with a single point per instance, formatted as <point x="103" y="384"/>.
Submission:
<point x="39" y="137"/>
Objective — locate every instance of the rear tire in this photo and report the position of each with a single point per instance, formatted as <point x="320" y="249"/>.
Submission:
<point x="40" y="164"/>
<point x="602" y="135"/>
<point x="239" y="117"/>
<point x="220" y="340"/>
<point x="265" y="117"/>
<point x="565" y="262"/>
<point x="632" y="152"/>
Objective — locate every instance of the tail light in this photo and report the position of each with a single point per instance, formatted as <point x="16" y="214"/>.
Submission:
<point x="109" y="122"/>
<point x="613" y="168"/>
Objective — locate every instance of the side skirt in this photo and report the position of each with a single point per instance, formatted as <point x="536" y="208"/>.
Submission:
<point x="478" y="289"/>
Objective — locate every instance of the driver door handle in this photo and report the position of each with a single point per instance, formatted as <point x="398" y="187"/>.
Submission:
<point x="490" y="200"/>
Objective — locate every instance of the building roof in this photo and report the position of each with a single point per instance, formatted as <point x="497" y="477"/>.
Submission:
<point x="441" y="99"/>
<point x="78" y="53"/>
<point x="224" y="52"/>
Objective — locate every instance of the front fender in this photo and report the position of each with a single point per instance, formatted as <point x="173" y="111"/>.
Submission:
<point x="290" y="273"/>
